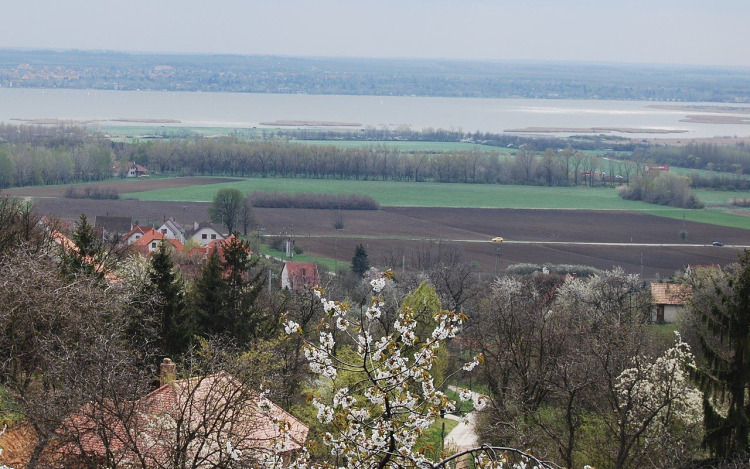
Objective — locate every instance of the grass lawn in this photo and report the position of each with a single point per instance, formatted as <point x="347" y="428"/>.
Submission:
<point x="431" y="440"/>
<point x="433" y="194"/>
<point x="423" y="194"/>
<point x="720" y="198"/>
<point x="328" y="262"/>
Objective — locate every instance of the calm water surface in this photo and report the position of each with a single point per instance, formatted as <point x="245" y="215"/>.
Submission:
<point x="248" y="110"/>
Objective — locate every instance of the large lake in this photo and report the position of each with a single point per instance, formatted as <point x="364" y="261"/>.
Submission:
<point x="249" y="110"/>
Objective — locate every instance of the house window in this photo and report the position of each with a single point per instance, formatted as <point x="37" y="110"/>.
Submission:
<point x="213" y="236"/>
<point x="204" y="236"/>
<point x="153" y="245"/>
<point x="164" y="231"/>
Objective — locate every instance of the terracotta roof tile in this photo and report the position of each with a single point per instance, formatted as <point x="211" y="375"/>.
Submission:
<point x="670" y="293"/>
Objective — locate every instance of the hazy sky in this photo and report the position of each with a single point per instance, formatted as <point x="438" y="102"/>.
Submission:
<point x="663" y="31"/>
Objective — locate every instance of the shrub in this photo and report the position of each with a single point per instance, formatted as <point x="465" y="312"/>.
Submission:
<point x="560" y="269"/>
<point x="91" y="192"/>
<point x="662" y="189"/>
<point x="740" y="202"/>
<point x="312" y="200"/>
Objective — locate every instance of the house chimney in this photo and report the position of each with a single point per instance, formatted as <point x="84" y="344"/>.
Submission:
<point x="195" y="226"/>
<point x="167" y="371"/>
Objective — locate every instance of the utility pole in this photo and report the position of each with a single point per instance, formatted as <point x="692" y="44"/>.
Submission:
<point x="497" y="258"/>
<point x="642" y="266"/>
<point x="336" y="255"/>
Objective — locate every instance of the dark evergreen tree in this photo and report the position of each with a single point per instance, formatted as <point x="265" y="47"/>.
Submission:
<point x="175" y="321"/>
<point x="723" y="305"/>
<point x="87" y="255"/>
<point x="226" y="292"/>
<point x="360" y="261"/>
<point x="244" y="284"/>
<point x="209" y="295"/>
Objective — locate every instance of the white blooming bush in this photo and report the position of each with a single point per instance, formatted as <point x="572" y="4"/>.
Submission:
<point x="378" y="419"/>
<point x="660" y="393"/>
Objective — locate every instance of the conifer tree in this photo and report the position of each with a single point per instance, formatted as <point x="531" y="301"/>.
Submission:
<point x="209" y="295"/>
<point x="243" y="287"/>
<point x="175" y="321"/>
<point x="88" y="253"/>
<point x="226" y="292"/>
<point x="722" y="303"/>
<point x="360" y="261"/>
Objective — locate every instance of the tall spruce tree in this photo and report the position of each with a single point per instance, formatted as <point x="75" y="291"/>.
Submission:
<point x="176" y="324"/>
<point x="87" y="256"/>
<point x="722" y="303"/>
<point x="209" y="295"/>
<point x="244" y="285"/>
<point x="360" y="261"/>
<point x="226" y="292"/>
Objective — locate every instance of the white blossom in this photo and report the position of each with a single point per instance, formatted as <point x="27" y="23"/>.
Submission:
<point x="291" y="327"/>
<point x="480" y="402"/>
<point x="471" y="365"/>
<point x="377" y="284"/>
<point x="325" y="413"/>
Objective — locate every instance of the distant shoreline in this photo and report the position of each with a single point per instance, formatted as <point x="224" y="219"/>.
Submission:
<point x="55" y="121"/>
<point x="306" y="123"/>
<point x="595" y="130"/>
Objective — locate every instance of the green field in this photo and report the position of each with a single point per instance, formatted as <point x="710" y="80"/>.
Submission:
<point x="422" y="194"/>
<point x="719" y="198"/>
<point x="432" y="194"/>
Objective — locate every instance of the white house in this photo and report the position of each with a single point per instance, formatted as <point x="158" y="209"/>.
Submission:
<point x="668" y="299"/>
<point x="172" y="230"/>
<point x="135" y="234"/>
<point x="203" y="233"/>
<point x="132" y="170"/>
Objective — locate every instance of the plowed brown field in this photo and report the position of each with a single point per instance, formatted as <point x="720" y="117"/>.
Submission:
<point x="396" y="232"/>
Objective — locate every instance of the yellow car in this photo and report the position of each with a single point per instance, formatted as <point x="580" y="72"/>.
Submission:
<point x="499" y="239"/>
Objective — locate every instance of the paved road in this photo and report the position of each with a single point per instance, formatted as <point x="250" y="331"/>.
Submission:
<point x="462" y="437"/>
<point x="564" y="243"/>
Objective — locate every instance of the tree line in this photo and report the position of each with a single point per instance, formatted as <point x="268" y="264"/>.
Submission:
<point x="92" y="160"/>
<point x="33" y="155"/>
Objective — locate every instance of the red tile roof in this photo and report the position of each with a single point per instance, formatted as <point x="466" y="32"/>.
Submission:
<point x="237" y="418"/>
<point x="302" y="274"/>
<point x="670" y="293"/>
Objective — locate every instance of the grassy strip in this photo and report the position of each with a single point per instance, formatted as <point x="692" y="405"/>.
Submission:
<point x="712" y="217"/>
<point x="431" y="441"/>
<point x="719" y="198"/>
<point x="329" y="263"/>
